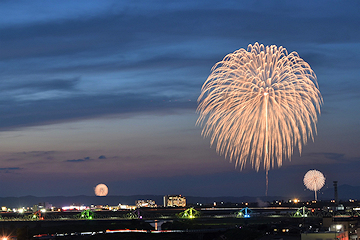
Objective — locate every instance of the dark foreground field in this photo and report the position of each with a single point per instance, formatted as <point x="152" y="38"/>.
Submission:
<point x="220" y="235"/>
<point x="202" y="229"/>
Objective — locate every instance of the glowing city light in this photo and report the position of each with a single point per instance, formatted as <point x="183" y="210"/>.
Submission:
<point x="72" y="208"/>
<point x="258" y="104"/>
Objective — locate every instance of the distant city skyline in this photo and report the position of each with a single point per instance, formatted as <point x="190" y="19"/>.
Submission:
<point x="346" y="195"/>
<point x="106" y="92"/>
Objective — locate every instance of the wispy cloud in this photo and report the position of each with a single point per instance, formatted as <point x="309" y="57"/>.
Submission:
<point x="78" y="160"/>
<point x="331" y="157"/>
<point x="10" y="169"/>
<point x="84" y="106"/>
<point x="328" y="155"/>
<point x="68" y="54"/>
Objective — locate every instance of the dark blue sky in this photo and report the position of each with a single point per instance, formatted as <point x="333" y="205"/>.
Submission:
<point x="105" y="92"/>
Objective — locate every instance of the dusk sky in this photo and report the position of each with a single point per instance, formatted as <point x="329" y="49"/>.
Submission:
<point x="106" y="92"/>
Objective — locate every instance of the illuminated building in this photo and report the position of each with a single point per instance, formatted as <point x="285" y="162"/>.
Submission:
<point x="174" y="201"/>
<point x="44" y="205"/>
<point x="346" y="224"/>
<point x="128" y="207"/>
<point x="145" y="203"/>
<point x="339" y="235"/>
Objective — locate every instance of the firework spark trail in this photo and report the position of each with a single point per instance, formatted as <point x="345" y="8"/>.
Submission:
<point x="257" y="104"/>
<point x="314" y="180"/>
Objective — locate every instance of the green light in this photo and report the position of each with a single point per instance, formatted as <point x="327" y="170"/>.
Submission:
<point x="86" y="214"/>
<point x="302" y="212"/>
<point x="189" y="213"/>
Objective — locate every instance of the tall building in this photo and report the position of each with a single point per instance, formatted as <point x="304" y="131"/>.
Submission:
<point x="174" y="201"/>
<point x="336" y="191"/>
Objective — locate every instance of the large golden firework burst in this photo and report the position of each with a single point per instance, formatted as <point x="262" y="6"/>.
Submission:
<point x="257" y="104"/>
